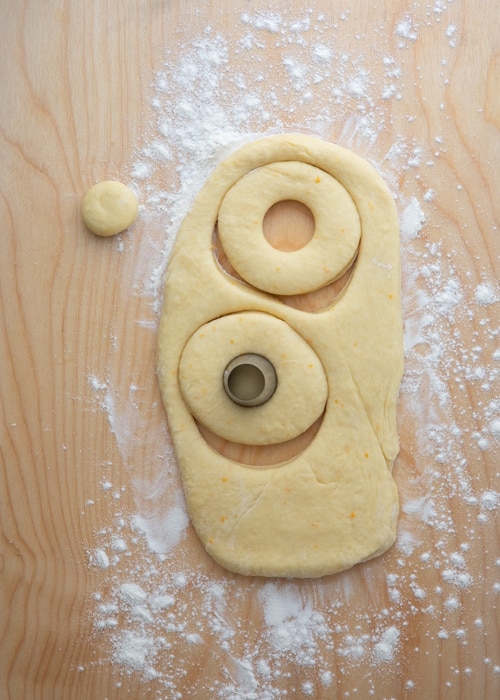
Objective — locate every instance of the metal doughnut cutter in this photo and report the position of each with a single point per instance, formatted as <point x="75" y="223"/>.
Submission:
<point x="250" y="380"/>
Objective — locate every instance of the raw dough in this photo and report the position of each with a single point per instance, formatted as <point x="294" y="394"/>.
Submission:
<point x="285" y="415"/>
<point x="326" y="257"/>
<point x="108" y="208"/>
<point x="336" y="503"/>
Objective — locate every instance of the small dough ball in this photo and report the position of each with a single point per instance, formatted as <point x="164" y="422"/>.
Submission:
<point x="109" y="207"/>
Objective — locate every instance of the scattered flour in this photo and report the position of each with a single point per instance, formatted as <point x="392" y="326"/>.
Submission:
<point x="223" y="91"/>
<point x="100" y="558"/>
<point x="485" y="294"/>
<point x="385" y="645"/>
<point x="411" y="220"/>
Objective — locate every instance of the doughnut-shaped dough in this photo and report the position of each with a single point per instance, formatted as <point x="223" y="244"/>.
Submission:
<point x="108" y="208"/>
<point x="300" y="394"/>
<point x="324" y="259"/>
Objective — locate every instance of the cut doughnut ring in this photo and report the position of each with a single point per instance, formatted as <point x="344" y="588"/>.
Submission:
<point x="322" y="260"/>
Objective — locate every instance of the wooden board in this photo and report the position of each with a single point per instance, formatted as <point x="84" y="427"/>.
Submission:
<point x="89" y="489"/>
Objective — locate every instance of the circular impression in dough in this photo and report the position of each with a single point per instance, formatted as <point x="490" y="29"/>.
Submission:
<point x="301" y="387"/>
<point x="322" y="260"/>
<point x="108" y="208"/>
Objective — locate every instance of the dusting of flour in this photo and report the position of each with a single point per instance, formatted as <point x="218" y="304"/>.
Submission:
<point x="223" y="91"/>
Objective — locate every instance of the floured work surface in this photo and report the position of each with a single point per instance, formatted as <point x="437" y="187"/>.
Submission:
<point x="332" y="503"/>
<point x="107" y="590"/>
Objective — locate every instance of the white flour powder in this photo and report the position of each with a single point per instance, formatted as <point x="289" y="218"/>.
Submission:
<point x="210" y="96"/>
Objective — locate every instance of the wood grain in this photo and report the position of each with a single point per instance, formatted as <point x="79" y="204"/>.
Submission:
<point x="76" y="108"/>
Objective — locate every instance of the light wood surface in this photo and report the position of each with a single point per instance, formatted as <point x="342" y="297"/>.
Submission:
<point x="75" y="108"/>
